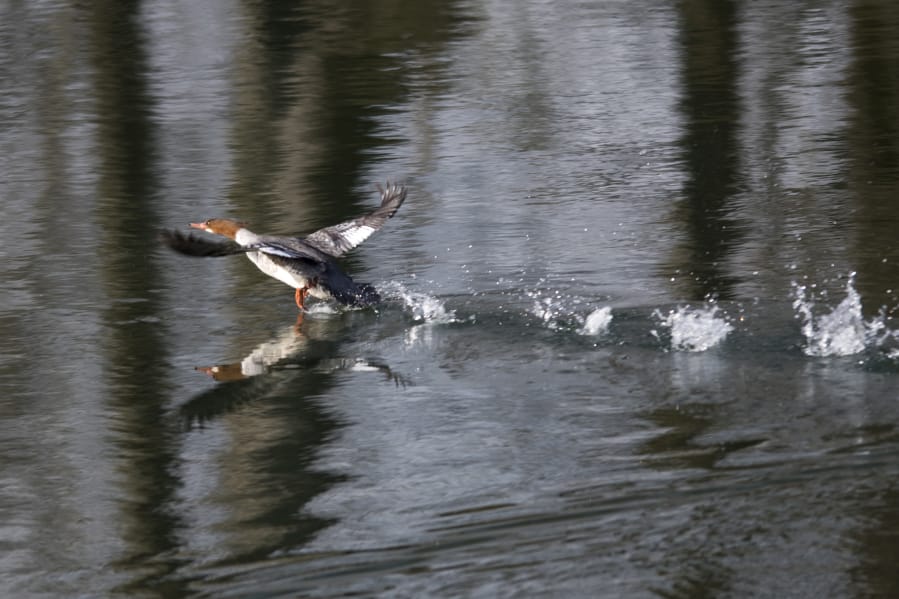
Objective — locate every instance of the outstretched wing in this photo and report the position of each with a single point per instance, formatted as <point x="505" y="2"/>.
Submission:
<point x="339" y="239"/>
<point x="190" y="245"/>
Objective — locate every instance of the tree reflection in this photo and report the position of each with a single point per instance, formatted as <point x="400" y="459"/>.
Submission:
<point x="711" y="110"/>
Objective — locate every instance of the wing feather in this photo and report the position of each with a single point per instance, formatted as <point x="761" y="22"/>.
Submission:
<point x="341" y="238"/>
<point x="273" y="248"/>
<point x="191" y="245"/>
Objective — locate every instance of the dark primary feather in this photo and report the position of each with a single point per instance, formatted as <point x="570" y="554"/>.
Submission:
<point x="341" y="238"/>
<point x="190" y="245"/>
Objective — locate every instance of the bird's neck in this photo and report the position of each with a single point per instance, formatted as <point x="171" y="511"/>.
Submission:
<point x="245" y="237"/>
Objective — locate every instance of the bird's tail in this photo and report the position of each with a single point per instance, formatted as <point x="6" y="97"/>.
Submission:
<point x="344" y="289"/>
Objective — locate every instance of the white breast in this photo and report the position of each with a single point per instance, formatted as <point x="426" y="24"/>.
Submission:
<point x="266" y="265"/>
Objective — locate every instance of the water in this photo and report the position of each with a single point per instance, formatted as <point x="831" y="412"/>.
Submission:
<point x="639" y="334"/>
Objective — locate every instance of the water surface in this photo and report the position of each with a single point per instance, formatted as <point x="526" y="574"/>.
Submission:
<point x="638" y="335"/>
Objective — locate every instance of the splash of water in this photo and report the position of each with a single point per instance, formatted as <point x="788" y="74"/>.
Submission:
<point x="560" y="311"/>
<point x="320" y="309"/>
<point x="550" y="307"/>
<point x="843" y="331"/>
<point x="424" y="308"/>
<point x="597" y="322"/>
<point x="694" y="329"/>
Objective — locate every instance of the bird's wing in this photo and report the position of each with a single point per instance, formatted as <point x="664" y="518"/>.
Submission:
<point x="191" y="245"/>
<point x="341" y="238"/>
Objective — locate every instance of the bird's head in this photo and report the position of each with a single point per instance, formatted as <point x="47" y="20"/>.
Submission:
<point x="220" y="226"/>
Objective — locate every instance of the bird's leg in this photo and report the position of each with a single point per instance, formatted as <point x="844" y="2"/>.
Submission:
<point x="300" y="296"/>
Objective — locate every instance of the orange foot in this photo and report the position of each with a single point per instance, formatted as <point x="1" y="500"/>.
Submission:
<point x="300" y="296"/>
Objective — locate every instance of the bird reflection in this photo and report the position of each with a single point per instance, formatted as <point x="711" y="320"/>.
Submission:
<point x="264" y="357"/>
<point x="269" y="365"/>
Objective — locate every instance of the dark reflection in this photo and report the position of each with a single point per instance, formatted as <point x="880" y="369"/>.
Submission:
<point x="711" y="110"/>
<point x="704" y="577"/>
<point x="878" y="545"/>
<point x="266" y="475"/>
<point x="677" y="446"/>
<point x="134" y="349"/>
<point x="873" y="137"/>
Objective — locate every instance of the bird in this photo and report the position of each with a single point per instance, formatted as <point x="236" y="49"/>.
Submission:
<point x="308" y="264"/>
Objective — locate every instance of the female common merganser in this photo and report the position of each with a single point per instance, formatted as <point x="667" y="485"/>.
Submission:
<point x="306" y="264"/>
